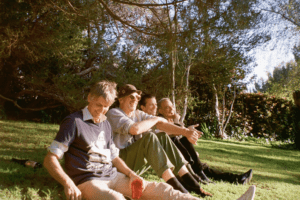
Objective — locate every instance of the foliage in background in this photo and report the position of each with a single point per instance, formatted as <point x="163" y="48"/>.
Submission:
<point x="51" y="52"/>
<point x="284" y="80"/>
<point x="255" y="115"/>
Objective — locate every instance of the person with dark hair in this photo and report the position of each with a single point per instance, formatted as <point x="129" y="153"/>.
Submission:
<point x="148" y="104"/>
<point x="166" y="110"/>
<point x="93" y="167"/>
<point x="141" y="148"/>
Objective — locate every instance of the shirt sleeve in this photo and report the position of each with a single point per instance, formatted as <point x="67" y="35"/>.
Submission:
<point x="141" y="115"/>
<point x="120" y="123"/>
<point x="58" y="149"/>
<point x="64" y="138"/>
<point x="67" y="131"/>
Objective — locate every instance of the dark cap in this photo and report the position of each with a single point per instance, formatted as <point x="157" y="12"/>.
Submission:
<point x="127" y="90"/>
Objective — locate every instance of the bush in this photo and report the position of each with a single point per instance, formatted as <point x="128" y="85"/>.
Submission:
<point x="2" y="113"/>
<point x="207" y="133"/>
<point x="254" y="115"/>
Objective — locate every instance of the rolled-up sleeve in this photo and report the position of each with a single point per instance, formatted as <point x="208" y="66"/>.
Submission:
<point x="58" y="149"/>
<point x="64" y="137"/>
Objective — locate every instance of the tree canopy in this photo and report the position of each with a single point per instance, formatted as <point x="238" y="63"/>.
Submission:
<point x="52" y="51"/>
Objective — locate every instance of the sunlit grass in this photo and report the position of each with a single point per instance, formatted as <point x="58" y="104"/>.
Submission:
<point x="276" y="171"/>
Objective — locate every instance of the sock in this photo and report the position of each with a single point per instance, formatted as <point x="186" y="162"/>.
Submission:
<point x="189" y="180"/>
<point x="176" y="185"/>
<point x="193" y="186"/>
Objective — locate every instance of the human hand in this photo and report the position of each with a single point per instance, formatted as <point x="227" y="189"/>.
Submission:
<point x="192" y="136"/>
<point x="192" y="128"/>
<point x="176" y="116"/>
<point x="133" y="176"/>
<point x="176" y="119"/>
<point x="72" y="192"/>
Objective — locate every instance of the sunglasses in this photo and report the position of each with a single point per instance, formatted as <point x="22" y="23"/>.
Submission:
<point x="133" y="97"/>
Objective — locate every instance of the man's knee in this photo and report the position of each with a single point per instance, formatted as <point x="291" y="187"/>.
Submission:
<point x="162" y="135"/>
<point x="104" y="194"/>
<point x="150" y="136"/>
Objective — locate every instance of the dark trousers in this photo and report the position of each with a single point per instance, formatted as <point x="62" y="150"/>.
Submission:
<point x="188" y="151"/>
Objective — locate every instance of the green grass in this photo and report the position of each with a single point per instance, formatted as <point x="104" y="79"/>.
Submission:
<point x="276" y="171"/>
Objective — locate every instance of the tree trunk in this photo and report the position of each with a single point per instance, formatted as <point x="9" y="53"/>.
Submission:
<point x="219" y="128"/>
<point x="174" y="55"/>
<point x="185" y="105"/>
<point x="230" y="111"/>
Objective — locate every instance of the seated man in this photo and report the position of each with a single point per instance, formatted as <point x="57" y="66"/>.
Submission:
<point x="141" y="148"/>
<point x="166" y="109"/>
<point x="91" y="157"/>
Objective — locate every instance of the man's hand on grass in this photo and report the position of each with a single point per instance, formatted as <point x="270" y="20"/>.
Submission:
<point x="72" y="192"/>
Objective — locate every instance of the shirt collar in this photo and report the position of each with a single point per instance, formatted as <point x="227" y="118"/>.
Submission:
<point x="88" y="116"/>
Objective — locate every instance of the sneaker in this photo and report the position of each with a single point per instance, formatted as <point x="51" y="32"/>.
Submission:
<point x="249" y="194"/>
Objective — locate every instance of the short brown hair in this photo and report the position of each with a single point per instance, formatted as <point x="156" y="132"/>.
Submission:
<point x="106" y="89"/>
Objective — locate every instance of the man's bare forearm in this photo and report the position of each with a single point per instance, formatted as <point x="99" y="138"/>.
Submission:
<point x="171" y="129"/>
<point x="121" y="166"/>
<point x="54" y="168"/>
<point x="143" y="126"/>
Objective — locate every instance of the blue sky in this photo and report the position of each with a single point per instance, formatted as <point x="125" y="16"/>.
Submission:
<point x="276" y="52"/>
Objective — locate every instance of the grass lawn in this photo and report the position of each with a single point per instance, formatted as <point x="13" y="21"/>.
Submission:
<point x="276" y="171"/>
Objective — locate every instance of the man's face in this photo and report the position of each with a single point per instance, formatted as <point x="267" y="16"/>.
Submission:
<point x="167" y="109"/>
<point x="130" y="102"/>
<point x="98" y="106"/>
<point x="150" y="106"/>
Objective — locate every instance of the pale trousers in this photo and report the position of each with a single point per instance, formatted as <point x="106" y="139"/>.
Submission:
<point x="119" y="187"/>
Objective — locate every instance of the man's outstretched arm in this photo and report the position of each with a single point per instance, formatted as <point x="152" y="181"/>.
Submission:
<point x="54" y="168"/>
<point x="145" y="125"/>
<point x="172" y="129"/>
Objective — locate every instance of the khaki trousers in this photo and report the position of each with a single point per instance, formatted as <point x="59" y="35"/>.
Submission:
<point x="155" y="150"/>
<point x="119" y="187"/>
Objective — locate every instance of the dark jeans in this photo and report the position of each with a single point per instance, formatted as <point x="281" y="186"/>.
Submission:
<point x="188" y="151"/>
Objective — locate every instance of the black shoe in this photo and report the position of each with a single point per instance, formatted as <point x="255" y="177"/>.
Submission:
<point x="245" y="178"/>
<point x="204" y="177"/>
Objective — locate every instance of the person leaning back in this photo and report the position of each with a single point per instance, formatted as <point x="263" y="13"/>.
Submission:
<point x="93" y="167"/>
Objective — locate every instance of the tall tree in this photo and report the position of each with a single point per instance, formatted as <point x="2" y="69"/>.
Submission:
<point x="52" y="49"/>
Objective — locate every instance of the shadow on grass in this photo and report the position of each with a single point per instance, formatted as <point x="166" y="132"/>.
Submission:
<point x="25" y="140"/>
<point x="17" y="129"/>
<point x="28" y="182"/>
<point x="279" y="165"/>
<point x="293" y="180"/>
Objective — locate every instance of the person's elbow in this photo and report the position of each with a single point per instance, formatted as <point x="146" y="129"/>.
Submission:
<point x="161" y="125"/>
<point x="134" y="130"/>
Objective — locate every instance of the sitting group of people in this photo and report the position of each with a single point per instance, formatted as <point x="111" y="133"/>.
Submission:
<point x="105" y="150"/>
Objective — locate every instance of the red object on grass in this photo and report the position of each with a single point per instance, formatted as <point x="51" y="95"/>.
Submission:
<point x="137" y="189"/>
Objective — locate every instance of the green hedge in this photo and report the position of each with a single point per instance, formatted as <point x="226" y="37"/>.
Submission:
<point x="257" y="115"/>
